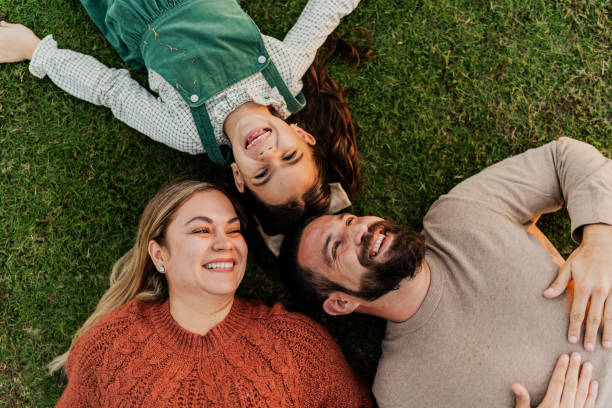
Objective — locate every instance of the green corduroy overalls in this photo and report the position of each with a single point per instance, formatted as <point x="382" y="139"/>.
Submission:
<point x="199" y="46"/>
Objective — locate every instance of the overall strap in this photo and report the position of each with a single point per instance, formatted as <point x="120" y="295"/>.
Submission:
<point x="218" y="154"/>
<point x="274" y="79"/>
<point x="222" y="154"/>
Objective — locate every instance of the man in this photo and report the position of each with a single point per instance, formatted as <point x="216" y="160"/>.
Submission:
<point x="463" y="300"/>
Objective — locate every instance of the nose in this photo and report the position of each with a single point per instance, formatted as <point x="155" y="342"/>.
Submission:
<point x="267" y="152"/>
<point x="356" y="230"/>
<point x="222" y="242"/>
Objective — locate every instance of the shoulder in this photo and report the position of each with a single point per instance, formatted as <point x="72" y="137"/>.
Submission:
<point x="291" y="328"/>
<point x="115" y="324"/>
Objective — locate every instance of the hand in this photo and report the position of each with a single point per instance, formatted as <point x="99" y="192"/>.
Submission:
<point x="565" y="389"/>
<point x="590" y="266"/>
<point x="17" y="42"/>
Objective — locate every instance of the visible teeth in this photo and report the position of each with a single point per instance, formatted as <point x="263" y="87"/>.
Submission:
<point x="219" y="265"/>
<point x="377" y="244"/>
<point x="257" y="138"/>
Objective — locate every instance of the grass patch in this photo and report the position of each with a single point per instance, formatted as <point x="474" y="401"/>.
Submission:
<point x="456" y="85"/>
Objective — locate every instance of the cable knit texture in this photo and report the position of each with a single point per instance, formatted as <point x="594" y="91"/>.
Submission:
<point x="259" y="356"/>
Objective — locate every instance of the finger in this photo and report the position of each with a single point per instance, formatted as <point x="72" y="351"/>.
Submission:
<point x="560" y="283"/>
<point x="571" y="381"/>
<point x="593" y="391"/>
<point x="555" y="387"/>
<point x="606" y="337"/>
<point x="598" y="298"/>
<point x="522" y="396"/>
<point x="581" y="297"/>
<point x="583" y="385"/>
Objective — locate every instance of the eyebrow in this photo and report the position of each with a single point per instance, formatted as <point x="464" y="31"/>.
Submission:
<point x="325" y="250"/>
<point x="291" y="163"/>
<point x="209" y="220"/>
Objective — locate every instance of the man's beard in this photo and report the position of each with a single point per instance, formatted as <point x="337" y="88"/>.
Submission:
<point x="404" y="258"/>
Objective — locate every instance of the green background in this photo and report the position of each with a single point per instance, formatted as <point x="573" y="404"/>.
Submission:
<point x="455" y="86"/>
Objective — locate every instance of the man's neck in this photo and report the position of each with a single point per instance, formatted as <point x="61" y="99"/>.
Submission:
<point x="401" y="304"/>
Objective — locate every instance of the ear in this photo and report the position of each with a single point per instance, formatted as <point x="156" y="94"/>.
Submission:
<point x="308" y="138"/>
<point x="339" y="303"/>
<point x="237" y="177"/>
<point x="156" y="254"/>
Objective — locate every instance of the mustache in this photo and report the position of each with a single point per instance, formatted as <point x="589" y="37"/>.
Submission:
<point x="388" y="227"/>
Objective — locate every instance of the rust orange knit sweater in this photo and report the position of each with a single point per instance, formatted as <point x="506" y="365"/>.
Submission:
<point x="259" y="356"/>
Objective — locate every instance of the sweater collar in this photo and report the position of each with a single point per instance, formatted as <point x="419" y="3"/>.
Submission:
<point x="184" y="341"/>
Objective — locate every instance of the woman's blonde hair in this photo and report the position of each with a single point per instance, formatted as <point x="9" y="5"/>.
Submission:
<point x="134" y="275"/>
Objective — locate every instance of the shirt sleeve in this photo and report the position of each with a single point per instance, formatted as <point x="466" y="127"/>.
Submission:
<point x="563" y="173"/>
<point x="318" y="19"/>
<point x="166" y="119"/>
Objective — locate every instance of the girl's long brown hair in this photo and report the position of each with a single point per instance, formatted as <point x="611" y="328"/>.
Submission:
<point x="327" y="117"/>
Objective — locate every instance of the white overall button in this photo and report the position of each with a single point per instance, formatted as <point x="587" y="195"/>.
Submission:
<point x="194" y="98"/>
<point x="261" y="59"/>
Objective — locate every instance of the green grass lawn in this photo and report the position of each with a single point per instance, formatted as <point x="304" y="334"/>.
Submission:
<point x="456" y="85"/>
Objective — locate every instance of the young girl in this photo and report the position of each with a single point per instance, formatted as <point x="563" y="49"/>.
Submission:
<point x="219" y="82"/>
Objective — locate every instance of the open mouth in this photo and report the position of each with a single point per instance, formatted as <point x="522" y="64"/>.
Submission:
<point x="256" y="136"/>
<point x="220" y="266"/>
<point x="378" y="242"/>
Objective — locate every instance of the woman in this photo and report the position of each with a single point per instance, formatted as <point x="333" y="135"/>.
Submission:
<point x="220" y="82"/>
<point x="170" y="332"/>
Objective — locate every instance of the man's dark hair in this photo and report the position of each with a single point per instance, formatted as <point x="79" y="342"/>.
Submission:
<point x="304" y="283"/>
<point x="314" y="287"/>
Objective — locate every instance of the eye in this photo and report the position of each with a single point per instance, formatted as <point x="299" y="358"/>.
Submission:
<point x="261" y="174"/>
<point x="289" y="156"/>
<point x="335" y="248"/>
<point x="204" y="230"/>
<point x="349" y="221"/>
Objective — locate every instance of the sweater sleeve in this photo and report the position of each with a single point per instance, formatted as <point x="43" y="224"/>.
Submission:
<point x="166" y="119"/>
<point x="81" y="391"/>
<point x="327" y="378"/>
<point x="565" y="172"/>
<point x="318" y="19"/>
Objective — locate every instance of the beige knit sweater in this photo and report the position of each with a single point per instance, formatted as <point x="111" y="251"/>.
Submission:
<point x="484" y="323"/>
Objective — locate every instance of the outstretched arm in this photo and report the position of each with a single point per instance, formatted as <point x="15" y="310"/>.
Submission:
<point x="318" y="20"/>
<point x="166" y="119"/>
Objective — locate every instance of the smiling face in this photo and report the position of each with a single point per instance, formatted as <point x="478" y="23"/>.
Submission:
<point x="272" y="158"/>
<point x="366" y="255"/>
<point x="204" y="252"/>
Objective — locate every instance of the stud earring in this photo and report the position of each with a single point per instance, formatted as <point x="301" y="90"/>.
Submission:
<point x="162" y="269"/>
